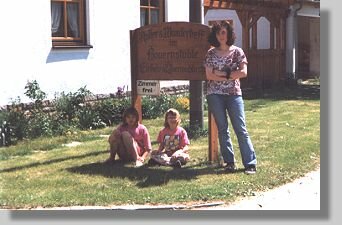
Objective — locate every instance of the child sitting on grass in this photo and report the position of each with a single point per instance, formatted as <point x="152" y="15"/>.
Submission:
<point x="173" y="143"/>
<point x="130" y="140"/>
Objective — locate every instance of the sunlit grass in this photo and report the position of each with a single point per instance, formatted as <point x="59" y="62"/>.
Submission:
<point x="46" y="173"/>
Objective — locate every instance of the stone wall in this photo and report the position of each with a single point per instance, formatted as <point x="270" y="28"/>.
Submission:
<point x="48" y="105"/>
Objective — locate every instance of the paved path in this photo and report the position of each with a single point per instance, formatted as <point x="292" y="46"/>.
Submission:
<point x="301" y="194"/>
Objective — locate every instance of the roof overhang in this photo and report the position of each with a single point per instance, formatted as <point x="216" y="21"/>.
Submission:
<point x="248" y="4"/>
<point x="256" y="4"/>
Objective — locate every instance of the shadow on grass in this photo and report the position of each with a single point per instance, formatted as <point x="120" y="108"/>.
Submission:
<point x="145" y="176"/>
<point x="51" y="161"/>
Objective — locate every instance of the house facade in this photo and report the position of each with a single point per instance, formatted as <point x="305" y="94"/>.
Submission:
<point x="66" y="45"/>
<point x="69" y="44"/>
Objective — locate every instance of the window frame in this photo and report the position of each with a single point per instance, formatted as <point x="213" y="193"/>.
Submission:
<point x="66" y="41"/>
<point x="150" y="7"/>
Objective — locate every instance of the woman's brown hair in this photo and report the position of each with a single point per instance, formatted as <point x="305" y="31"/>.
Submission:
<point x="216" y="28"/>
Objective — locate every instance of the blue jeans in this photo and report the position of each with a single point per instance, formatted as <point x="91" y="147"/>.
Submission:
<point x="219" y="105"/>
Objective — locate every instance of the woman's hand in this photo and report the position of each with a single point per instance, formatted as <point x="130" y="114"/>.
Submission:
<point x="241" y="72"/>
<point x="215" y="75"/>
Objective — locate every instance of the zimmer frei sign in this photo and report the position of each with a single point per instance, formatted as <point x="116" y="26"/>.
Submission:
<point x="148" y="87"/>
<point x="170" y="51"/>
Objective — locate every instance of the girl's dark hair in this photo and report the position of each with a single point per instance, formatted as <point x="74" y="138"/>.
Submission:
<point x="216" y="28"/>
<point x="130" y="111"/>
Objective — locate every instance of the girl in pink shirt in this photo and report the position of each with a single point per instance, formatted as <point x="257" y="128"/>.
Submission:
<point x="130" y="140"/>
<point x="173" y="142"/>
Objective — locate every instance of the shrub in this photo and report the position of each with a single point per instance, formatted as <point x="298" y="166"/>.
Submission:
<point x="153" y="106"/>
<point x="72" y="112"/>
<point x="89" y="118"/>
<point x="69" y="104"/>
<point x="61" y="126"/>
<point x="17" y="120"/>
<point x="40" y="124"/>
<point x="34" y="92"/>
<point x="110" y="110"/>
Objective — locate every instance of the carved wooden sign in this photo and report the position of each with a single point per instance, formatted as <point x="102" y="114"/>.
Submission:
<point x="169" y="51"/>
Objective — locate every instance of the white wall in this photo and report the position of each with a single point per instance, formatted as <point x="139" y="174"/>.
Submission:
<point x="27" y="54"/>
<point x="177" y="10"/>
<point x="25" y="44"/>
<point x="308" y="10"/>
<point x="226" y="14"/>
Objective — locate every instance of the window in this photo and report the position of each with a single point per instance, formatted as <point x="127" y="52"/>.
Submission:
<point x="68" y="23"/>
<point x="151" y="12"/>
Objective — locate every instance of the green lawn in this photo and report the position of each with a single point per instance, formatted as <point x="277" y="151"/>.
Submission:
<point x="285" y="131"/>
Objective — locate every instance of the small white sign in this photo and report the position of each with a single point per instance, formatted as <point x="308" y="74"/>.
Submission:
<point x="148" y="87"/>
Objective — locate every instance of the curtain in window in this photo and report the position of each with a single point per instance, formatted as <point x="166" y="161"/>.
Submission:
<point x="72" y="12"/>
<point x="154" y="16"/>
<point x="142" y="17"/>
<point x="56" y="15"/>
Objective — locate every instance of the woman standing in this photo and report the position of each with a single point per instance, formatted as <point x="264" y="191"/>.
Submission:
<point x="225" y="64"/>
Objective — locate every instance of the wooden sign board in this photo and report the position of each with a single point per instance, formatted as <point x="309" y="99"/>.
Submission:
<point x="148" y="87"/>
<point x="170" y="51"/>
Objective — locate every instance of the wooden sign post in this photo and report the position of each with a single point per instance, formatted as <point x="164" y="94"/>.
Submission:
<point x="171" y="51"/>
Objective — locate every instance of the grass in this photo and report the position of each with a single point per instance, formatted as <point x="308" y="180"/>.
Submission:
<point x="284" y="127"/>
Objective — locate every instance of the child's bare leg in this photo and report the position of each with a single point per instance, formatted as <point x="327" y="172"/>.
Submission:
<point x="130" y="145"/>
<point x="114" y="143"/>
<point x="180" y="156"/>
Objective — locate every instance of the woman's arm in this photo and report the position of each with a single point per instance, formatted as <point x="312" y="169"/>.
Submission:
<point x="161" y="147"/>
<point x="215" y="75"/>
<point x="240" y="73"/>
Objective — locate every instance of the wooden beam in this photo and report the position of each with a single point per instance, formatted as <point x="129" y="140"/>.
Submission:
<point x="213" y="138"/>
<point x="254" y="19"/>
<point x="243" y="17"/>
<point x="254" y="36"/>
<point x="250" y="5"/>
<point x="272" y="35"/>
<point x="135" y="98"/>
<point x="268" y="3"/>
